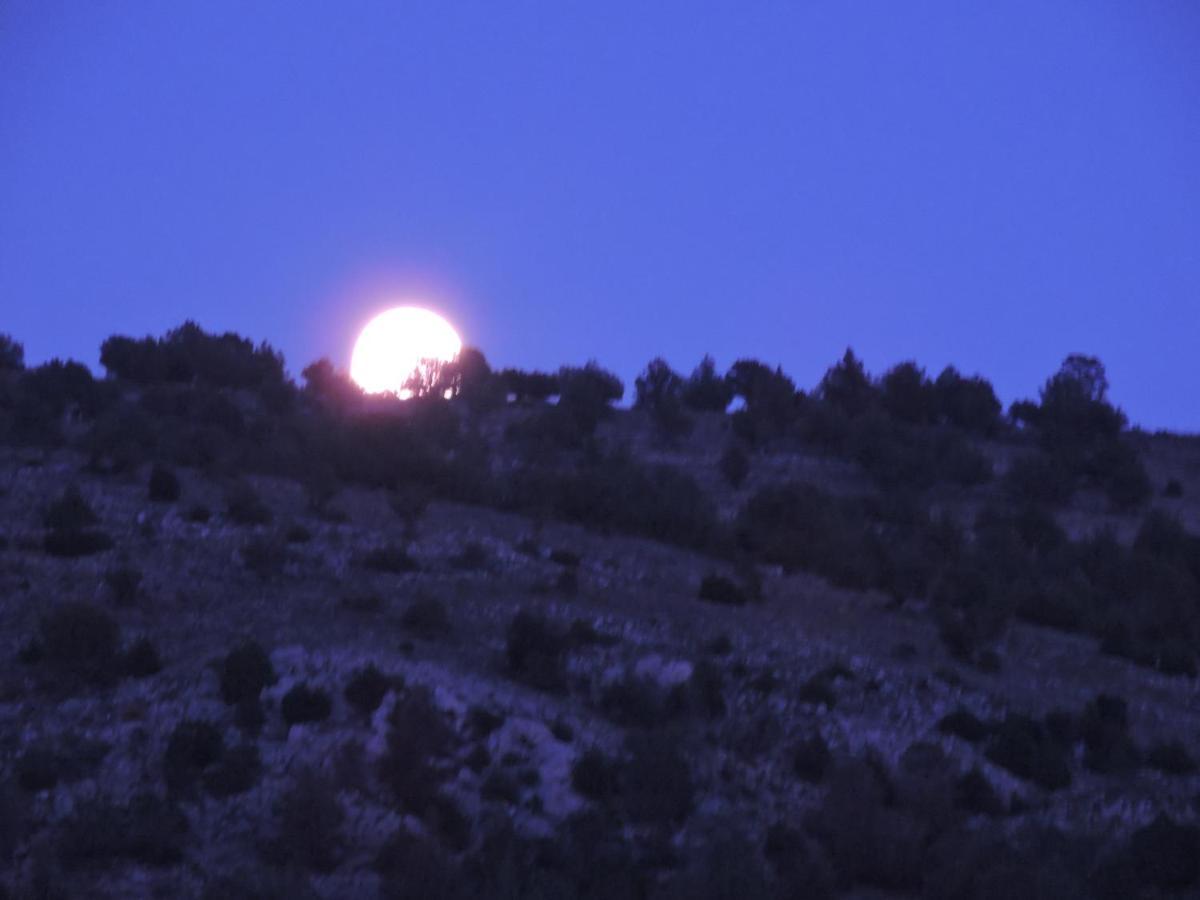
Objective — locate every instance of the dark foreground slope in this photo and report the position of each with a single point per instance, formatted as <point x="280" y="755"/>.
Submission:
<point x="264" y="647"/>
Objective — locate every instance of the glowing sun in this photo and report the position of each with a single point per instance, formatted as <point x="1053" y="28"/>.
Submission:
<point x="399" y="343"/>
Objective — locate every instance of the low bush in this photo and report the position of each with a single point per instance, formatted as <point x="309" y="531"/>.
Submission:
<point x="656" y="780"/>
<point x="962" y="723"/>
<point x="245" y="671"/>
<point x="481" y="722"/>
<point x="42" y="766"/>
<point x="1173" y="489"/>
<point x="636" y="702"/>
<point x="721" y="590"/>
<point x="79" y="640"/>
<point x="535" y="651"/>
<point x="473" y="557"/>
<point x="1172" y="758"/>
<point x="264" y="555"/>
<point x="1024" y="747"/>
<point x="141" y="659"/>
<point x="418" y="741"/>
<point x="310" y="823"/>
<point x="297" y="534"/>
<point x="304" y="704"/>
<point x="1104" y="727"/>
<point x="1166" y="854"/>
<point x="70" y="512"/>
<point x="595" y="775"/>
<point x="237" y="772"/>
<point x="194" y="746"/>
<point x="74" y="544"/>
<point x="148" y="831"/>
<point x="124" y="584"/>
<point x="973" y="793"/>
<point x="199" y="514"/>
<point x="366" y="689"/>
<point x="734" y="465"/>
<point x="427" y="617"/>
<point x="163" y="486"/>
<point x="392" y="560"/>
<point x="811" y="759"/>
<point x="243" y="506"/>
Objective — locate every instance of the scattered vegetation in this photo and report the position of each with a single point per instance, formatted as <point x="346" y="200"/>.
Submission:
<point x="303" y="704"/>
<point x="245" y="671"/>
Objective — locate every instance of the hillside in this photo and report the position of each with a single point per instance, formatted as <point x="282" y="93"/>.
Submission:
<point x="271" y="641"/>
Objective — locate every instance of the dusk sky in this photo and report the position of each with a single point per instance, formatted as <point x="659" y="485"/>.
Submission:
<point x="992" y="185"/>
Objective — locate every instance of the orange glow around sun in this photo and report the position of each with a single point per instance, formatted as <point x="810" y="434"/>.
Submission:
<point x="397" y="343"/>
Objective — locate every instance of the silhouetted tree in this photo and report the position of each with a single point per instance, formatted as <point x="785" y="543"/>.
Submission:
<point x="967" y="403"/>
<point x="660" y="392"/>
<point x="12" y="354"/>
<point x="907" y="395"/>
<point x="705" y="390"/>
<point x="324" y="383"/>
<point x="528" y="386"/>
<point x="847" y="387"/>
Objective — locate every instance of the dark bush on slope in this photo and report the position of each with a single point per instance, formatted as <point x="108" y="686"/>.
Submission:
<point x="535" y="651"/>
<point x="80" y="641"/>
<point x="1024" y="747"/>
<point x="303" y="704"/>
<point x="245" y="671"/>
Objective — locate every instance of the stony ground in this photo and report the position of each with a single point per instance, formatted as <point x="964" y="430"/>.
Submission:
<point x="891" y="680"/>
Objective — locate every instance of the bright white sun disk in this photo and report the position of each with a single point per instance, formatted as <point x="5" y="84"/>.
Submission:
<point x="397" y="343"/>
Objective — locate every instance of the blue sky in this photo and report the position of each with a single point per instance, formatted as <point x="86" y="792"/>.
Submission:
<point x="992" y="185"/>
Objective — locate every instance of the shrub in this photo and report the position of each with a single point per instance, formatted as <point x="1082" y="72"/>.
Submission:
<point x="393" y="560"/>
<point x="194" y="745"/>
<point x="41" y="766"/>
<point x="297" y="534"/>
<point x="74" y="544"/>
<point x="310" y="823"/>
<point x="245" y="671"/>
<point x="734" y="464"/>
<point x="811" y="759"/>
<point x="418" y="738"/>
<point x="656" y="782"/>
<point x="1173" y="489"/>
<point x="1172" y="758"/>
<point x="500" y="787"/>
<point x="705" y="689"/>
<point x="238" y="770"/>
<point x="70" y="512"/>
<point x="535" y="652"/>
<point x="635" y="702"/>
<point x="80" y="640"/>
<point x="123" y="584"/>
<point x="963" y="723"/>
<point x="847" y="387"/>
<point x="1166" y="854"/>
<point x="243" y="506"/>
<point x="721" y="590"/>
<point x="264" y="555"/>
<point x="426" y="616"/>
<point x="141" y="660"/>
<point x="305" y="704"/>
<point x="595" y="775"/>
<point x="198" y="514"/>
<point x="164" y="485"/>
<point x="473" y="557"/>
<point x="1024" y="747"/>
<point x="973" y="793"/>
<point x="565" y="558"/>
<point x="148" y="831"/>
<point x="1104" y="727"/>
<point x="366" y="689"/>
<point x="482" y="721"/>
